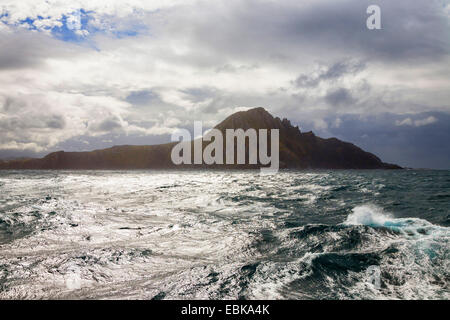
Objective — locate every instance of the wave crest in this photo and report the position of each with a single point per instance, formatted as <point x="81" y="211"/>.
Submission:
<point x="368" y="215"/>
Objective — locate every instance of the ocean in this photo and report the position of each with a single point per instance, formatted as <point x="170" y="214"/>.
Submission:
<point x="346" y="234"/>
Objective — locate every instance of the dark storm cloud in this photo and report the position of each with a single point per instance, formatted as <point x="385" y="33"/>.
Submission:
<point x="18" y="114"/>
<point x="20" y="49"/>
<point x="339" y="69"/>
<point x="142" y="97"/>
<point x="109" y="125"/>
<point x="333" y="72"/>
<point x="56" y="122"/>
<point x="417" y="146"/>
<point x="19" y="53"/>
<point x="7" y="104"/>
<point x="230" y="68"/>
<point x="339" y="97"/>
<point x="22" y="123"/>
<point x="411" y="29"/>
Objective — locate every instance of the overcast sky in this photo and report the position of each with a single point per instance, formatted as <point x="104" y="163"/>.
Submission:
<point x="80" y="75"/>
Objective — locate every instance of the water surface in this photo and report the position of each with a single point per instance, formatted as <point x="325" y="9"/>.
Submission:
<point x="224" y="235"/>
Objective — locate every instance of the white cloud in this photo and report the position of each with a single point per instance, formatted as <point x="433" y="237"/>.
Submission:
<point x="424" y="122"/>
<point x="404" y="122"/>
<point x="320" y="124"/>
<point x="337" y="123"/>
<point x="416" y="123"/>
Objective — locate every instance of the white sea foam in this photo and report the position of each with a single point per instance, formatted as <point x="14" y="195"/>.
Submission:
<point x="369" y="215"/>
<point x="374" y="216"/>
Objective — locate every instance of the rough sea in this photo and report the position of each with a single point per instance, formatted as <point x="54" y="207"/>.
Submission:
<point x="225" y="235"/>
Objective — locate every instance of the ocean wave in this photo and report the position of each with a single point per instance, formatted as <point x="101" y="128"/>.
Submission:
<point x="316" y="261"/>
<point x="161" y="235"/>
<point x="374" y="216"/>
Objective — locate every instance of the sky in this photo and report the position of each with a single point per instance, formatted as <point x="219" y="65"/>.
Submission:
<point x="81" y="75"/>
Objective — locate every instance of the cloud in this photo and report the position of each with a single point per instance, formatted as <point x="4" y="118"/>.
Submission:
<point x="108" y="125"/>
<point x="412" y="145"/>
<point x="333" y="72"/>
<point x="416" y="123"/>
<point x="337" y="123"/>
<point x="30" y="50"/>
<point x="56" y="122"/>
<point x="339" y="97"/>
<point x="295" y="31"/>
<point x="235" y="68"/>
<point x="142" y="97"/>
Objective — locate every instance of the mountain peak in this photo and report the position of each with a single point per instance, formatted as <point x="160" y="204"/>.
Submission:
<point x="256" y="118"/>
